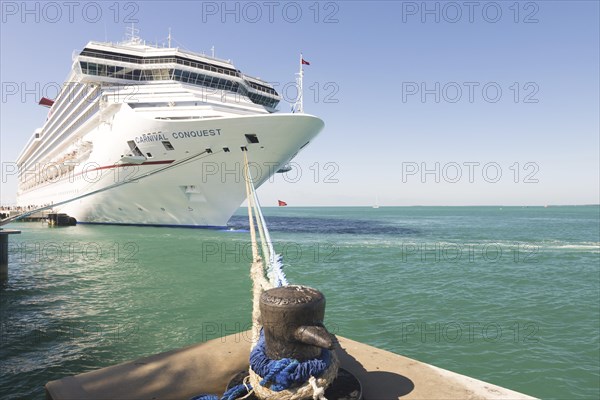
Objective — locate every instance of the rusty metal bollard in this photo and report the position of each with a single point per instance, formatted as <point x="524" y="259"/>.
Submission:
<point x="292" y="320"/>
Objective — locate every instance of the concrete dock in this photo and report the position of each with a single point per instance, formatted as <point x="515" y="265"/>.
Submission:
<point x="208" y="367"/>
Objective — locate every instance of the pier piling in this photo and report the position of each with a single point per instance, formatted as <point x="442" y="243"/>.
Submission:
<point x="4" y="252"/>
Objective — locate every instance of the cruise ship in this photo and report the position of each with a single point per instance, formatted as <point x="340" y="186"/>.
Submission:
<point x="150" y="135"/>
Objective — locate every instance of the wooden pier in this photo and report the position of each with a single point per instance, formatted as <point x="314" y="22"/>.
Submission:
<point x="36" y="217"/>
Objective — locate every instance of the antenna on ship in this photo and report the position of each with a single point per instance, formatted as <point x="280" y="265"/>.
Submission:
<point x="169" y="38"/>
<point x="131" y="34"/>
<point x="212" y="51"/>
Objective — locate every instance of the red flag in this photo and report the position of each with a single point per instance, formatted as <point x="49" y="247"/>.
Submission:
<point x="281" y="203"/>
<point x="304" y="62"/>
<point x="46" y="102"/>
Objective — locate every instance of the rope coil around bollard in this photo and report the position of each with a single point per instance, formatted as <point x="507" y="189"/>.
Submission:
<point x="285" y="379"/>
<point x="290" y="379"/>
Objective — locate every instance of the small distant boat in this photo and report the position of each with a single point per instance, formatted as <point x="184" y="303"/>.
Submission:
<point x="281" y="203"/>
<point x="376" y="205"/>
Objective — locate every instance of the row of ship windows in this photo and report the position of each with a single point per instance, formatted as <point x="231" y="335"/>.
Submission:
<point x="148" y="75"/>
<point x="112" y="71"/>
<point x="60" y="125"/>
<point x="77" y="93"/>
<point x="258" y="99"/>
<point x="81" y="118"/>
<point x="159" y="60"/>
<point x="262" y="88"/>
<point x="204" y="80"/>
<point x="177" y="60"/>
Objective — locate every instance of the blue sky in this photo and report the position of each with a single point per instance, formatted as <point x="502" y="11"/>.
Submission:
<point x="425" y="103"/>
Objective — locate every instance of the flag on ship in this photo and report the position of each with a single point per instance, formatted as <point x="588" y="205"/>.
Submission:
<point x="304" y="62"/>
<point x="46" y="102"/>
<point x="281" y="203"/>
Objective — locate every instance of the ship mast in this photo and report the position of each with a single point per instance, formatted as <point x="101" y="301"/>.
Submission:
<point x="299" y="104"/>
<point x="300" y="87"/>
<point x="131" y="35"/>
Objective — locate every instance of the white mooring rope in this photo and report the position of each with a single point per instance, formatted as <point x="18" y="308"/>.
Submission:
<point x="315" y="387"/>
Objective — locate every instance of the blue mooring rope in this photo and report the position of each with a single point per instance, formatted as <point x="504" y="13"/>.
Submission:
<point x="232" y="394"/>
<point x="287" y="372"/>
<point x="278" y="375"/>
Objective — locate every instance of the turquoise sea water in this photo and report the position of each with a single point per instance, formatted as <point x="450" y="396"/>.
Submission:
<point x="508" y="295"/>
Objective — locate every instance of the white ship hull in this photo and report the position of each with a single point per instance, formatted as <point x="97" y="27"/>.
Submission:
<point x="204" y="191"/>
